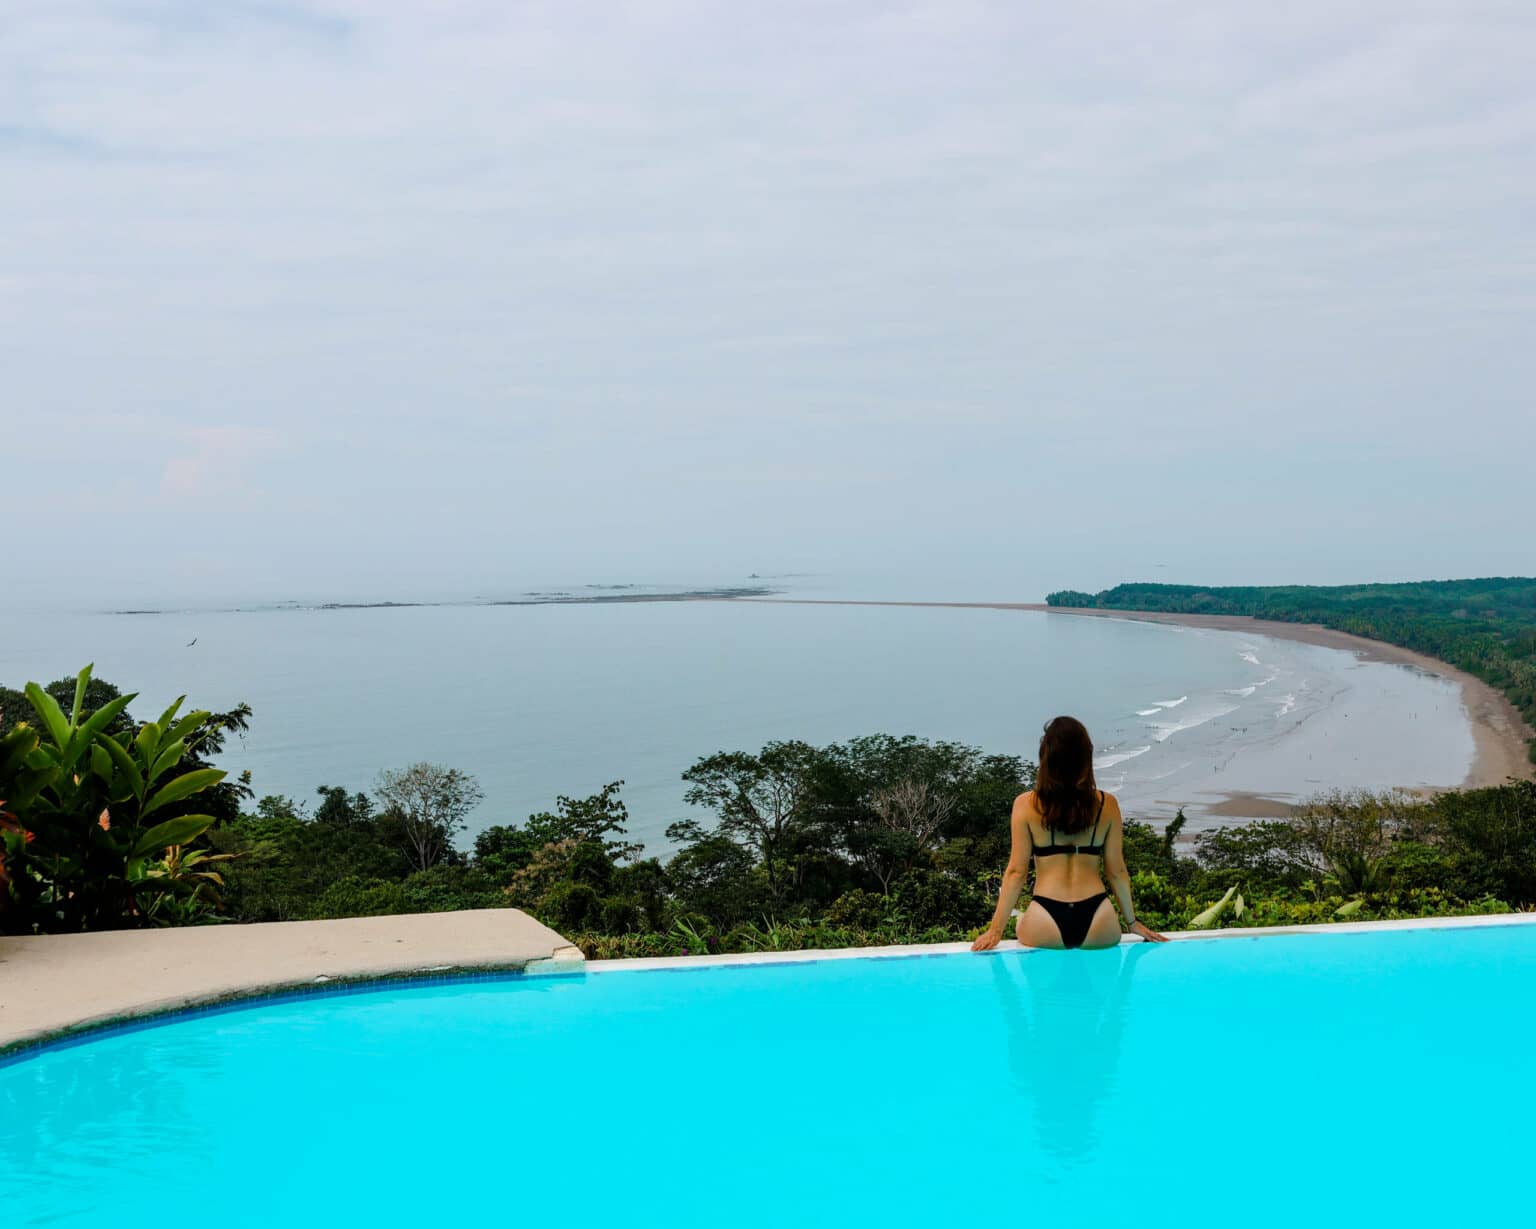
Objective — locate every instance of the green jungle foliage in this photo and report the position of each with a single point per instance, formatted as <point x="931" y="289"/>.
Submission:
<point x="851" y="870"/>
<point x="876" y="840"/>
<point x="1486" y="627"/>
<point x="99" y="815"/>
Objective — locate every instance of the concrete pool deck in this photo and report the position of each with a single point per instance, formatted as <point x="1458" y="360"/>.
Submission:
<point x="50" y="984"/>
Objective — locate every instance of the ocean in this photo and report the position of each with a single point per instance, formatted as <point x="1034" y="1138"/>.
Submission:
<point x="557" y="698"/>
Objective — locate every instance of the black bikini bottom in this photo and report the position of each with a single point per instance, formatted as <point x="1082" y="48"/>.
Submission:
<point x="1072" y="917"/>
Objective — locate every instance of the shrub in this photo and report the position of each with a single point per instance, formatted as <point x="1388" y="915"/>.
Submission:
<point x="591" y="865"/>
<point x="924" y="898"/>
<point x="96" y="822"/>
<point x="354" y="896"/>
<point x="1497" y="829"/>
<point x="573" y="906"/>
<point x="622" y="915"/>
<point x="859" y="910"/>
<point x="1153" y="893"/>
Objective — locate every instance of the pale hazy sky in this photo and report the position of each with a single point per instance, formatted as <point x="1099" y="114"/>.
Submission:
<point x="396" y="300"/>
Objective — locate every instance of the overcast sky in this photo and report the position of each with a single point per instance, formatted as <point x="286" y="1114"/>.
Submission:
<point x="402" y="299"/>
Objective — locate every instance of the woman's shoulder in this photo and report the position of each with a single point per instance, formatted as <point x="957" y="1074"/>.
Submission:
<point x="1111" y="805"/>
<point x="1026" y="803"/>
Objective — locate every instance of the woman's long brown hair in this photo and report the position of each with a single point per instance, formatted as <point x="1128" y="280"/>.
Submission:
<point x="1064" y="786"/>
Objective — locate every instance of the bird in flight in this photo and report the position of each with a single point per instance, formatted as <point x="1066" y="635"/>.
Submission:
<point x="191" y="642"/>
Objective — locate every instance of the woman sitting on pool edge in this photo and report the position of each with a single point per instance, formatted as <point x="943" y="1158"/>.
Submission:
<point x="1071" y="829"/>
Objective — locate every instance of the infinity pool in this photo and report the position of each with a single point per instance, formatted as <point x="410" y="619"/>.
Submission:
<point x="1372" y="1078"/>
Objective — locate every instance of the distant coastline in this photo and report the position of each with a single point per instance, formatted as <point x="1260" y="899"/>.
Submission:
<point x="604" y="595"/>
<point x="1500" y="735"/>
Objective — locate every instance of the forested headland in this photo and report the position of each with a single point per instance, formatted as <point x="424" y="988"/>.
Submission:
<point x="108" y="822"/>
<point x="1486" y="627"/>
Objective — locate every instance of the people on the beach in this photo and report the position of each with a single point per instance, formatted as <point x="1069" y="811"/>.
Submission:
<point x="1073" y="831"/>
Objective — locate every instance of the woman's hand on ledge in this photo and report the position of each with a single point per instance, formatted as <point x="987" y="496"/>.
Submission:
<point x="986" y="940"/>
<point x="1147" y="933"/>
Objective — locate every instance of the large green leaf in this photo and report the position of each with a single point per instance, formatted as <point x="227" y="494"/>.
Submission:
<point x="176" y="831"/>
<point x="148" y="741"/>
<point x="14" y="749"/>
<point x="52" y="715"/>
<point x="101" y="762"/>
<point x="170" y="713"/>
<point x="82" y="681"/>
<point x="125" y="765"/>
<point x="1208" y="917"/>
<point x="183" y="786"/>
<point x="187" y="726"/>
<point x="106" y="714"/>
<point x="168" y="757"/>
<point x="94" y="724"/>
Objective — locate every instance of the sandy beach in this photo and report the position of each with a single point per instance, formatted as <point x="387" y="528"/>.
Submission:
<point x="1499" y="732"/>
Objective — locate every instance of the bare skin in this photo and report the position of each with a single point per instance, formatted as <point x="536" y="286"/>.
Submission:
<point x="1064" y="877"/>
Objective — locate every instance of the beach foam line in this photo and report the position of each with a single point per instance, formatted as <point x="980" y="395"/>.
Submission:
<point x="1148" y="712"/>
<point x="1251" y="658"/>
<point x="1241" y="691"/>
<point x="1162" y="732"/>
<point x="1118" y="757"/>
<point x="1170" y="703"/>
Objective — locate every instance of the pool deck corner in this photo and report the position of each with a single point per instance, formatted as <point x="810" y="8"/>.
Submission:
<point x="54" y="984"/>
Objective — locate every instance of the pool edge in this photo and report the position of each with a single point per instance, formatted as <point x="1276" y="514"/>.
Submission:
<point x="563" y="963"/>
<point x="900" y="951"/>
<point x="567" y="961"/>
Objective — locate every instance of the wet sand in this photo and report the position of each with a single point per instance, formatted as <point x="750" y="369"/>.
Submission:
<point x="1500" y="735"/>
<point x="1242" y="805"/>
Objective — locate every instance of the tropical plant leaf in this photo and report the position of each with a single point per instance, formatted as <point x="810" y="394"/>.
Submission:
<point x="52" y="715"/>
<point x="176" y="831"/>
<point x="94" y="724"/>
<point x="105" y="715"/>
<point x="148" y="741"/>
<point x="170" y="713"/>
<point x="101" y="762"/>
<point x="187" y="726"/>
<point x="1208" y="917"/>
<point x="125" y="764"/>
<point x="183" y="786"/>
<point x="169" y="756"/>
<point x="1349" y="908"/>
<point x="14" y="749"/>
<point x="82" y="681"/>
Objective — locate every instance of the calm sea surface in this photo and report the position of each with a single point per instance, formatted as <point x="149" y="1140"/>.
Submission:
<point x="538" y="701"/>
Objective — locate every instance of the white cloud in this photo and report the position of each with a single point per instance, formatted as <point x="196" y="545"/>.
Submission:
<point x="216" y="463"/>
<point x="508" y="250"/>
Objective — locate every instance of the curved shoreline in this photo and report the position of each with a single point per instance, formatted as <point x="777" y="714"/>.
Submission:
<point x="1499" y="734"/>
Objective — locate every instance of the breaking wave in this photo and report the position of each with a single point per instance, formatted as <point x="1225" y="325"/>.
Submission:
<point x="1162" y="731"/>
<point x="1118" y="757"/>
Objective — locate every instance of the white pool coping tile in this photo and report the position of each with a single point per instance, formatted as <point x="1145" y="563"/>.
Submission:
<point x="641" y="963"/>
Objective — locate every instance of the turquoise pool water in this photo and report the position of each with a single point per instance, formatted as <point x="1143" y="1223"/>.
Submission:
<point x="1374" y="1078"/>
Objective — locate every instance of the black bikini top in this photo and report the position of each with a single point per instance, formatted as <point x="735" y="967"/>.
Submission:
<point x="1092" y="848"/>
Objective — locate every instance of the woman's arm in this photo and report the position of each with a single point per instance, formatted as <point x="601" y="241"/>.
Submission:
<point x="1014" y="877"/>
<point x="1119" y="878"/>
